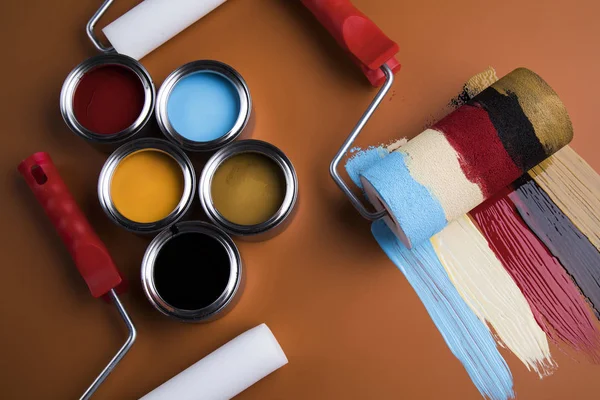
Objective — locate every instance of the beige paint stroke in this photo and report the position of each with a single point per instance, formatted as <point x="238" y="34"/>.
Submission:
<point x="574" y="186"/>
<point x="491" y="293"/>
<point x="478" y="82"/>
<point x="449" y="185"/>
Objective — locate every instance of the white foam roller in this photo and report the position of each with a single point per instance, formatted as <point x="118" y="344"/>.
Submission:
<point x="227" y="371"/>
<point x="152" y="22"/>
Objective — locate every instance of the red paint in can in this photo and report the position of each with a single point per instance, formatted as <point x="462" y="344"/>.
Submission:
<point x="108" y="99"/>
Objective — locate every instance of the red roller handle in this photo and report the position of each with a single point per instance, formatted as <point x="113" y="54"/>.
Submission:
<point x="356" y="33"/>
<point x="87" y="250"/>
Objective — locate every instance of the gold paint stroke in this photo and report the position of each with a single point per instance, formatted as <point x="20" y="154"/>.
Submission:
<point x="543" y="108"/>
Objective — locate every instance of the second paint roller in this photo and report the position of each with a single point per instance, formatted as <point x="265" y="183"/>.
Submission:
<point x="227" y="371"/>
<point x="153" y="22"/>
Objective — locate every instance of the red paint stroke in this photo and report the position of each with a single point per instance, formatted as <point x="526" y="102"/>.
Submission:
<point x="483" y="158"/>
<point x="108" y="99"/>
<point x="556" y="302"/>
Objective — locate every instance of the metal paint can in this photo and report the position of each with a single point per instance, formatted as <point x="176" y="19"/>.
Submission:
<point x="225" y="293"/>
<point x="280" y="219"/>
<point x="243" y="124"/>
<point x="122" y="153"/>
<point x="95" y="82"/>
<point x="95" y="64"/>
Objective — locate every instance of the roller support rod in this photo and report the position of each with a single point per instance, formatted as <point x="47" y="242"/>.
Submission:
<point x="92" y="24"/>
<point x="370" y="215"/>
<point x="120" y="354"/>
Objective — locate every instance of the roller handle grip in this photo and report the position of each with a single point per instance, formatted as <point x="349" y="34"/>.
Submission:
<point x="354" y="32"/>
<point x="87" y="250"/>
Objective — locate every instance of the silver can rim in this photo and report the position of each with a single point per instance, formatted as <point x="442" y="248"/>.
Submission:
<point x="113" y="161"/>
<point x="228" y="294"/>
<point x="72" y="81"/>
<point x="240" y="147"/>
<point x="217" y="67"/>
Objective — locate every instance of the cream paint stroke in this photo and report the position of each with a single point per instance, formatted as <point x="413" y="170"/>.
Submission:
<point x="449" y="185"/>
<point x="574" y="187"/>
<point x="483" y="282"/>
<point x="491" y="293"/>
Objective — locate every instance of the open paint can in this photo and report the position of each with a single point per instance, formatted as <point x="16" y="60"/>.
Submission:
<point x="147" y="185"/>
<point x="109" y="98"/>
<point x="249" y="189"/>
<point x="192" y="272"/>
<point x="204" y="105"/>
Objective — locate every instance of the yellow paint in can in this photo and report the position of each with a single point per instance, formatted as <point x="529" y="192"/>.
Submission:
<point x="147" y="186"/>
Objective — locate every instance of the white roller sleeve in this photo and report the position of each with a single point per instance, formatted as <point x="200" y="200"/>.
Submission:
<point x="152" y="22"/>
<point x="227" y="371"/>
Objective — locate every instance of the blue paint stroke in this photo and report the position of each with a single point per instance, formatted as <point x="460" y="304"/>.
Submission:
<point x="467" y="336"/>
<point x="416" y="209"/>
<point x="363" y="159"/>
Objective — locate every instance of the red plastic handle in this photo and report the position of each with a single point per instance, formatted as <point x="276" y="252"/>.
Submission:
<point x="89" y="253"/>
<point x="368" y="45"/>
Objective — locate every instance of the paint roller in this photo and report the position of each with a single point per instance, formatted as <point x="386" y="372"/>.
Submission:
<point x="87" y="250"/>
<point x="221" y="375"/>
<point x="149" y="24"/>
<point x="227" y="371"/>
<point x="468" y="156"/>
<point x="465" y="158"/>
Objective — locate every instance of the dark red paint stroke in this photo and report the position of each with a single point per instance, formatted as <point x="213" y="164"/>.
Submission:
<point x="564" y="240"/>
<point x="554" y="299"/>
<point x="108" y="99"/>
<point x="483" y="158"/>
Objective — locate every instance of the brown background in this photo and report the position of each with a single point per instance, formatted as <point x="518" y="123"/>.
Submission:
<point x="349" y="322"/>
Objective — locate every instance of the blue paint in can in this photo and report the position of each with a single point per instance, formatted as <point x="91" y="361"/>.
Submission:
<point x="203" y="106"/>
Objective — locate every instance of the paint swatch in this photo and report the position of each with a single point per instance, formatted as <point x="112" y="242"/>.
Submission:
<point x="574" y="251"/>
<point x="469" y="155"/>
<point x="575" y="188"/>
<point x="491" y="293"/>
<point x="475" y="85"/>
<point x="555" y="301"/>
<point x="467" y="337"/>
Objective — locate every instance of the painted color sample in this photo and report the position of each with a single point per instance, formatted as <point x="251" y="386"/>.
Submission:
<point x="417" y="214"/>
<point x="575" y="188"/>
<point x="483" y="158"/>
<point x="574" y="251"/>
<point x="491" y="293"/>
<point x="108" y="99"/>
<point x="468" y="338"/>
<point x="191" y="271"/>
<point x="147" y="186"/>
<point x="556" y="303"/>
<point x="248" y="188"/>
<point x="449" y="184"/>
<point x="531" y="90"/>
<point x="514" y="129"/>
<point x="203" y="106"/>
<point x="494" y="139"/>
<point x="478" y="82"/>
